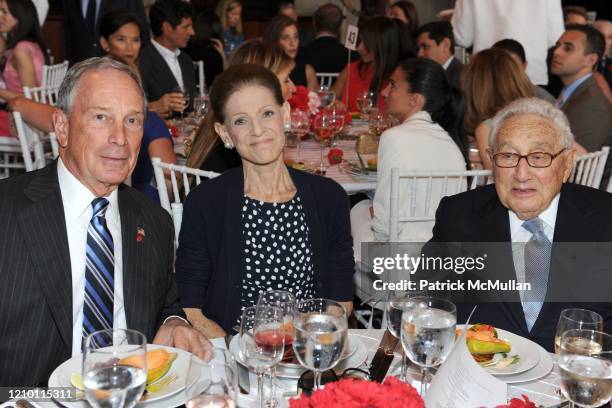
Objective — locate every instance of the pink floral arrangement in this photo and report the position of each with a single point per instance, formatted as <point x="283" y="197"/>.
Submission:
<point x="351" y="393"/>
<point x="305" y="100"/>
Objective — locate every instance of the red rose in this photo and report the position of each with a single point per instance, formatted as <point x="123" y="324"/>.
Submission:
<point x="335" y="156"/>
<point x="299" y="100"/>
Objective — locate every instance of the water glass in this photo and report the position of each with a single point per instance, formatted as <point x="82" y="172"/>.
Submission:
<point x="200" y="107"/>
<point x="326" y="96"/>
<point x="262" y="341"/>
<point x="114" y="368"/>
<point x="323" y="130"/>
<point x="300" y="125"/>
<point x="585" y="364"/>
<point x="366" y="103"/>
<point x="576" y="319"/>
<point x="212" y="379"/>
<point x="428" y="332"/>
<point x="320" y="335"/>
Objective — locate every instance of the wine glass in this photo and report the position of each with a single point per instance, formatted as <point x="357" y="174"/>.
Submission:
<point x="428" y="332"/>
<point x="262" y="341"/>
<point x="337" y="113"/>
<point x="300" y="125"/>
<point x="200" y="107"/>
<point x="585" y="365"/>
<point x="576" y="319"/>
<point x="323" y="130"/>
<point x="326" y="96"/>
<point x="114" y="367"/>
<point x="320" y="335"/>
<point x="211" y="380"/>
<point x="377" y="122"/>
<point x="287" y="302"/>
<point x="185" y="96"/>
<point x="366" y="103"/>
<point x="397" y="302"/>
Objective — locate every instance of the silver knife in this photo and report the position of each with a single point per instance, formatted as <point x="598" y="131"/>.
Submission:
<point x="244" y="383"/>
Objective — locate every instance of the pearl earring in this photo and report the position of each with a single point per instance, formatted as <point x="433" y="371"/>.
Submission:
<point x="287" y="126"/>
<point x="228" y="145"/>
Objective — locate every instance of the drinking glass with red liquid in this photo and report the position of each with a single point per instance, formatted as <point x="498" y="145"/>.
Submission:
<point x="323" y="130"/>
<point x="286" y="301"/>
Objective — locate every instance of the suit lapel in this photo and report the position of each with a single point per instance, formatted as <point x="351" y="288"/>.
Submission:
<point x="164" y="69"/>
<point x="49" y="250"/>
<point x="583" y="87"/>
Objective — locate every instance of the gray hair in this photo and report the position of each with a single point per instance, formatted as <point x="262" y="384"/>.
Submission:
<point x="67" y="90"/>
<point x="533" y="106"/>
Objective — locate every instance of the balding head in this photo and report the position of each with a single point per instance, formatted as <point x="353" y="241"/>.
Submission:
<point x="605" y="27"/>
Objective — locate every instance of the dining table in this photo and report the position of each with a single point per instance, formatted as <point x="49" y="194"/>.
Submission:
<point x="542" y="391"/>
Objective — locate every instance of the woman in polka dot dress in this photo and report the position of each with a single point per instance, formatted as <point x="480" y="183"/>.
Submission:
<point x="262" y="226"/>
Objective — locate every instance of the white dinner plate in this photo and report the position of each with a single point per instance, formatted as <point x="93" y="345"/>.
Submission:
<point x="356" y="350"/>
<point x="171" y="396"/>
<point x="526" y="349"/>
<point x="542" y="369"/>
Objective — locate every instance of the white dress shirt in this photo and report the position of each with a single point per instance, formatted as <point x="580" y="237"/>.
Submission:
<point x="447" y="63"/>
<point x="78" y="212"/>
<point x="171" y="58"/>
<point x="520" y="235"/>
<point x="536" y="24"/>
<point x="42" y="9"/>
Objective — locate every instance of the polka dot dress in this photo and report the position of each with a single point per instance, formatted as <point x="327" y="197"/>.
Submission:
<point x="277" y="253"/>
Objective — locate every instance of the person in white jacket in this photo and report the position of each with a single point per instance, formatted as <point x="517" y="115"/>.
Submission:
<point x="535" y="24"/>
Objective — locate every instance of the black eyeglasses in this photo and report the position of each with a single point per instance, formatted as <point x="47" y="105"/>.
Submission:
<point x="306" y="381"/>
<point x="535" y="159"/>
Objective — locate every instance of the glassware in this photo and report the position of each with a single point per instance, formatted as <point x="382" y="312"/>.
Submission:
<point x="337" y="111"/>
<point x="300" y="125"/>
<point x="585" y="365"/>
<point x="262" y="341"/>
<point x="377" y="122"/>
<point x="323" y="130"/>
<point x="320" y="335"/>
<point x="576" y="319"/>
<point x="287" y="302"/>
<point x="212" y="380"/>
<point x="200" y="107"/>
<point x="366" y="103"/>
<point x="114" y="368"/>
<point x="397" y="302"/>
<point x="326" y="96"/>
<point x="185" y="97"/>
<point x="428" y="332"/>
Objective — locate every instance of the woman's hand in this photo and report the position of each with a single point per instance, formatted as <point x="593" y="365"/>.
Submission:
<point x="219" y="47"/>
<point x="207" y="327"/>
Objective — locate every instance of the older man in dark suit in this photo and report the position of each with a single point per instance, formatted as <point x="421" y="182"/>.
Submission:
<point x="80" y="251"/>
<point x="82" y="25"/>
<point x="168" y="73"/>
<point x="544" y="219"/>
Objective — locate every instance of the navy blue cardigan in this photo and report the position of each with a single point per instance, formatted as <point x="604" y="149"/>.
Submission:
<point x="210" y="257"/>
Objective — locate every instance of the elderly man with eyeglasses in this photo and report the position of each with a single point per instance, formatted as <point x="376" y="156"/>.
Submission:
<point x="531" y="206"/>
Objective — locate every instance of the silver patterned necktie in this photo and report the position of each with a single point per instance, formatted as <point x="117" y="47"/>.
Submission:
<point x="537" y="266"/>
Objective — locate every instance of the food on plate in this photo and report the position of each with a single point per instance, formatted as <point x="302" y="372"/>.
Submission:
<point x="483" y="343"/>
<point x="159" y="362"/>
<point x="372" y="164"/>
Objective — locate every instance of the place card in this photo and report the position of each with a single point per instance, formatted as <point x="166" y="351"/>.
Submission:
<point x="462" y="382"/>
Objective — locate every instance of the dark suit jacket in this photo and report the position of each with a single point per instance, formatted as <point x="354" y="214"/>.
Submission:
<point x="78" y="38"/>
<point x="157" y="78"/>
<point x="36" y="290"/>
<point x="590" y="116"/>
<point x="453" y="73"/>
<point x="584" y="215"/>
<point x="209" y="264"/>
<point x="325" y="54"/>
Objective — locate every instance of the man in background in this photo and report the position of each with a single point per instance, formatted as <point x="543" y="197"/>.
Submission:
<point x="436" y="42"/>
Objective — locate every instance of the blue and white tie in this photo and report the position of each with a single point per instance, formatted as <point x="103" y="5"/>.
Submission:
<point x="99" y="272"/>
<point x="537" y="265"/>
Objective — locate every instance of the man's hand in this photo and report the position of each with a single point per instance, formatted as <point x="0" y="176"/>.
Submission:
<point x="168" y="103"/>
<point x="176" y="333"/>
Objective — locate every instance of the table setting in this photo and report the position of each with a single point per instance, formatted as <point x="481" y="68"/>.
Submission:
<point x="300" y="353"/>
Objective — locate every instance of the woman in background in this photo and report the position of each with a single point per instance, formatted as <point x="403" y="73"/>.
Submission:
<point x="23" y="52"/>
<point x="491" y="81"/>
<point x="206" y="45"/>
<point x="207" y="151"/>
<point x="230" y="14"/>
<point x="381" y="46"/>
<point x="282" y="33"/>
<point x="430" y="138"/>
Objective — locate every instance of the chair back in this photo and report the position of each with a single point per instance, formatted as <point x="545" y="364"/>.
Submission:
<point x="326" y="79"/>
<point x="32" y="148"/>
<point x="424" y="192"/>
<point x="588" y="169"/>
<point x="199" y="66"/>
<point x="176" y="207"/>
<point x="42" y="94"/>
<point x="11" y="161"/>
<point x="53" y="75"/>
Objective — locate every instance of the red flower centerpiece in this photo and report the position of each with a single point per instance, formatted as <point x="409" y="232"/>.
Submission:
<point x="351" y="393"/>
<point x="519" y="403"/>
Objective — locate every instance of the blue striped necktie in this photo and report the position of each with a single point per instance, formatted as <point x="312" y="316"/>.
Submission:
<point x="99" y="272"/>
<point x="537" y="265"/>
